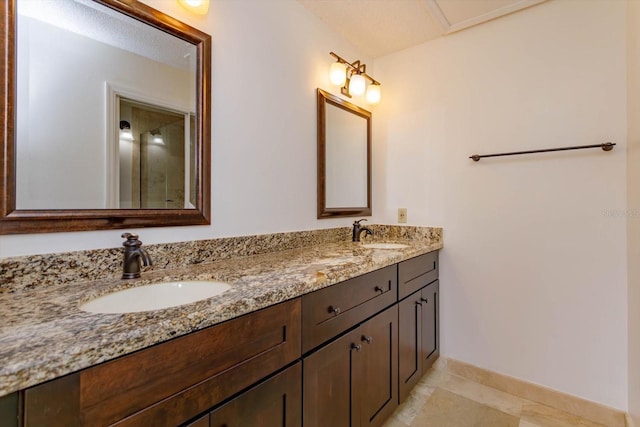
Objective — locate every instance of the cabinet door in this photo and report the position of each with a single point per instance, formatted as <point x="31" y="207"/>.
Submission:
<point x="9" y="410"/>
<point x="276" y="402"/>
<point x="410" y="343"/>
<point x="377" y="389"/>
<point x="327" y="383"/>
<point x="430" y="324"/>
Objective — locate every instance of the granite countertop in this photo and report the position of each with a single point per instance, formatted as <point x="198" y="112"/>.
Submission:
<point x="44" y="335"/>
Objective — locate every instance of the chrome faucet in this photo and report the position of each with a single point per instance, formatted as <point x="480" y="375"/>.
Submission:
<point x="134" y="255"/>
<point x="358" y="230"/>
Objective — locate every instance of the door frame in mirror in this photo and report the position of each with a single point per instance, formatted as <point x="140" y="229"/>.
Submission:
<point x="16" y="221"/>
<point x="325" y="98"/>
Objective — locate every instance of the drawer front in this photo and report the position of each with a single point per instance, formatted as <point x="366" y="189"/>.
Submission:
<point x="172" y="382"/>
<point x="416" y="273"/>
<point x="330" y="311"/>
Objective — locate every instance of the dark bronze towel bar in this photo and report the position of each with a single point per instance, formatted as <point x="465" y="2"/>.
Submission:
<point x="607" y="146"/>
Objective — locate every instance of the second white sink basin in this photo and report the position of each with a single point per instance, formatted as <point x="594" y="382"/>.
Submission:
<point x="155" y="297"/>
<point x="384" y="246"/>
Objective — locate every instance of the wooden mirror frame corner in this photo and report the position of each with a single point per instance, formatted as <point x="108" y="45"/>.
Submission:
<point x="19" y="221"/>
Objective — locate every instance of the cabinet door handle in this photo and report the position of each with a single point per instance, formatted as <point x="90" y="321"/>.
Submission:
<point x="426" y="300"/>
<point x="367" y="339"/>
<point x="379" y="289"/>
<point x="356" y="347"/>
<point x="418" y="302"/>
<point x="334" y="310"/>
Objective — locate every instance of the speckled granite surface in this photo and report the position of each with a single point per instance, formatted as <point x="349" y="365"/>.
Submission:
<point x="43" y="270"/>
<point x="43" y="333"/>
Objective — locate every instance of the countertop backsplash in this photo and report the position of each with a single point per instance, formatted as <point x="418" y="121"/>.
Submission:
<point x="26" y="272"/>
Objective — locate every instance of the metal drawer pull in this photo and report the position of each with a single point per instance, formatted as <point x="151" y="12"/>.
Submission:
<point x="355" y="346"/>
<point x="367" y="339"/>
<point x="334" y="310"/>
<point x="379" y="289"/>
<point x="426" y="300"/>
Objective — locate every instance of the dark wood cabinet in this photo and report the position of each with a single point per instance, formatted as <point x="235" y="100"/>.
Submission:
<point x="409" y="343"/>
<point x="327" y="383"/>
<point x="352" y="381"/>
<point x="419" y="338"/>
<point x="378" y="391"/>
<point x="170" y="383"/>
<point x="331" y="311"/>
<point x="354" y="353"/>
<point x="9" y="410"/>
<point x="276" y="402"/>
<point x="430" y="324"/>
<point x="416" y="273"/>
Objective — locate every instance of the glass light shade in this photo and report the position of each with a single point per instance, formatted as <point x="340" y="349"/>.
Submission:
<point x="357" y="85"/>
<point x="338" y="73"/>
<point x="373" y="94"/>
<point x="126" y="134"/>
<point x="199" y="7"/>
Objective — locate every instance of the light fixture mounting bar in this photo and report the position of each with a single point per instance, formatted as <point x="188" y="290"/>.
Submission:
<point x="356" y="67"/>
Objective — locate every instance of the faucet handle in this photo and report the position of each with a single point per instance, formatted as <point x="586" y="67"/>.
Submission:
<point x="358" y="221"/>
<point x="132" y="239"/>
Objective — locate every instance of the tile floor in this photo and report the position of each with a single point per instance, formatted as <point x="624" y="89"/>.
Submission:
<point x="444" y="400"/>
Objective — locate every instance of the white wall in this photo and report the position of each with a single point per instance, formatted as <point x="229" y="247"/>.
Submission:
<point x="633" y="191"/>
<point x="268" y="59"/>
<point x="61" y="118"/>
<point x="534" y="264"/>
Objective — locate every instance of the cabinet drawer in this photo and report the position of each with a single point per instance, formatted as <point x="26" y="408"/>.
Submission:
<point x="416" y="273"/>
<point x="330" y="311"/>
<point x="172" y="382"/>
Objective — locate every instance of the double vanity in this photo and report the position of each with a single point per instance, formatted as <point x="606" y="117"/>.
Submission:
<point x="335" y="333"/>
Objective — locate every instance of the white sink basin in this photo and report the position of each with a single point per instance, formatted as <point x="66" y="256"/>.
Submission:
<point x="155" y="297"/>
<point x="384" y="246"/>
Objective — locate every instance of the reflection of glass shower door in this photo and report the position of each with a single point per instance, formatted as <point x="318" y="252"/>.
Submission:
<point x="162" y="167"/>
<point x="154" y="165"/>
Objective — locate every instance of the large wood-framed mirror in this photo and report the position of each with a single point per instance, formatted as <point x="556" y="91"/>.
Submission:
<point x="106" y="117"/>
<point x="344" y="158"/>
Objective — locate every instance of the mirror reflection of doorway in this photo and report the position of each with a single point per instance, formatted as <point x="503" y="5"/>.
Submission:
<point x="153" y="161"/>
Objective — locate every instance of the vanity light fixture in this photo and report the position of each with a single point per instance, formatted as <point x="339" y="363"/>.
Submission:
<point x="352" y="76"/>
<point x="199" y="7"/>
<point x="125" y="130"/>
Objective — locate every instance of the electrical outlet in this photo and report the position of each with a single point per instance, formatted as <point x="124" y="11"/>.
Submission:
<point x="402" y="215"/>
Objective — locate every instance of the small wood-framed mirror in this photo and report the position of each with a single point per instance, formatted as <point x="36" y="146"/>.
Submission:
<point x="83" y="83"/>
<point x="344" y="158"/>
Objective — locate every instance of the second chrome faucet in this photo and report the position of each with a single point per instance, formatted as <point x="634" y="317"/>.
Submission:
<point x="358" y="230"/>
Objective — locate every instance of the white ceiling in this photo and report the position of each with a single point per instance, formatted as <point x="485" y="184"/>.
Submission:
<point x="380" y="27"/>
